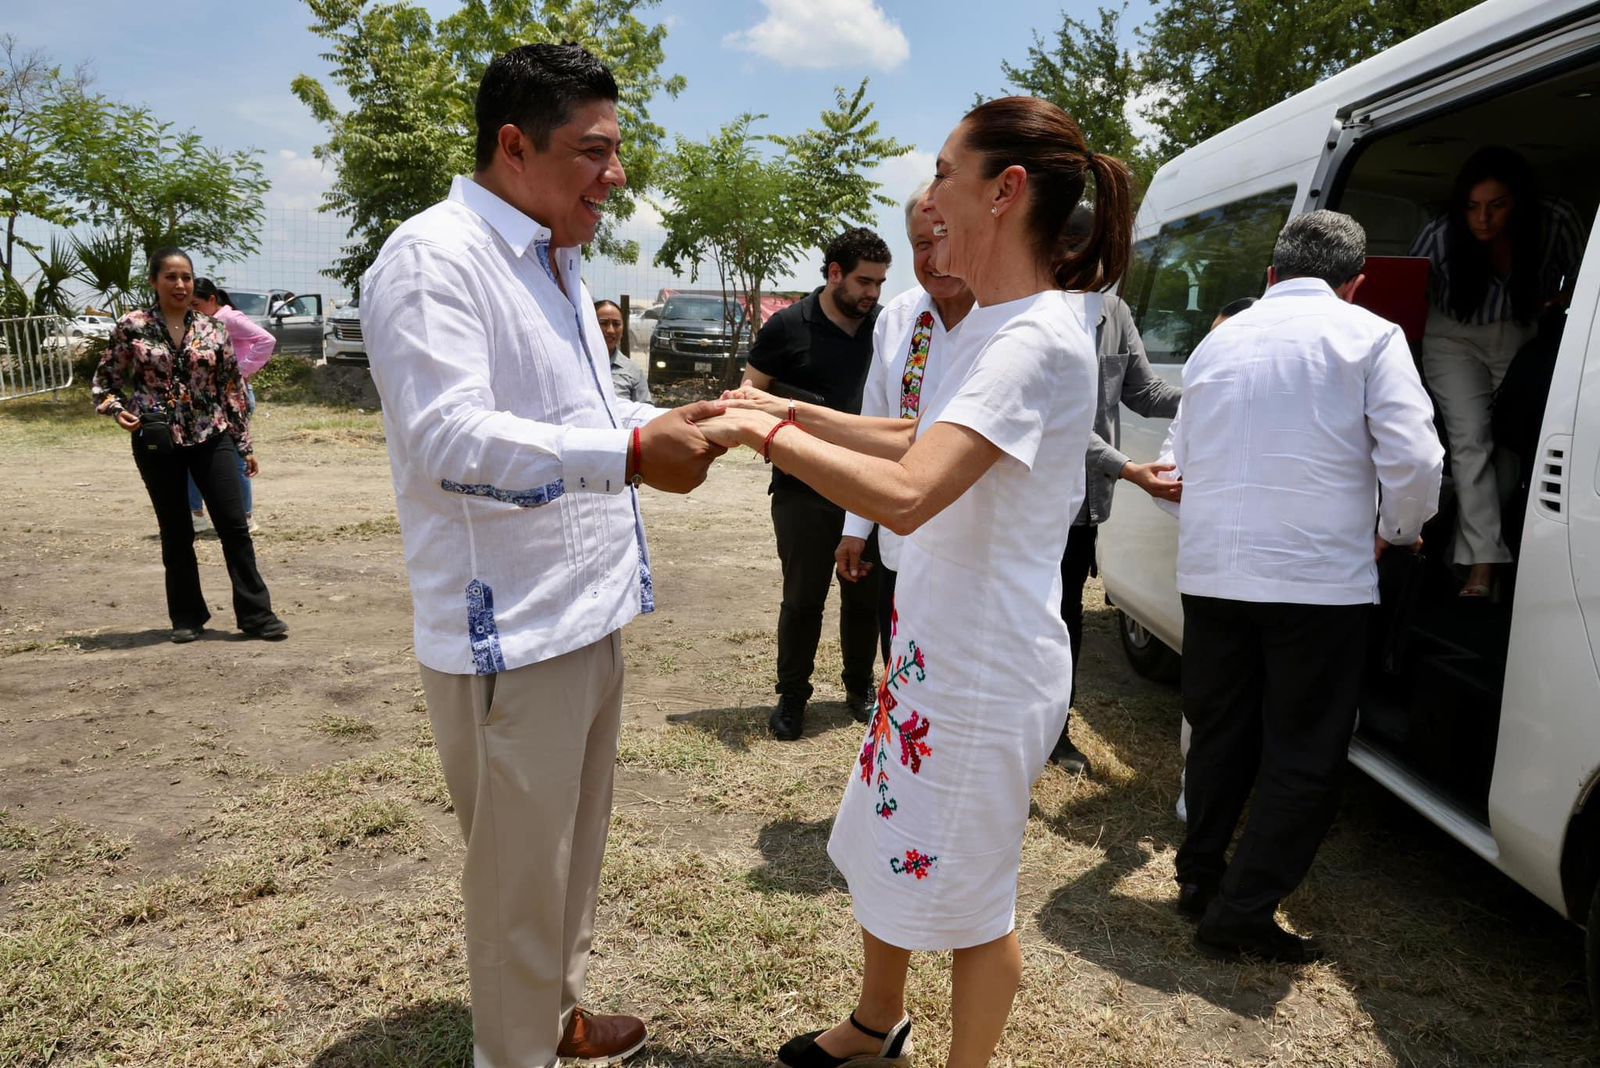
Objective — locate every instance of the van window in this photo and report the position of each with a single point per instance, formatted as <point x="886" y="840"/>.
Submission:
<point x="1182" y="277"/>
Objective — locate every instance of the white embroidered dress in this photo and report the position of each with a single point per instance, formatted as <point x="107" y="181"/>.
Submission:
<point x="929" y="833"/>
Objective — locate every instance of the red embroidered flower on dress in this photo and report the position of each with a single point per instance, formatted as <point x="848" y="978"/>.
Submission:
<point x="912" y="747"/>
<point x="885" y="727"/>
<point x="916" y="863"/>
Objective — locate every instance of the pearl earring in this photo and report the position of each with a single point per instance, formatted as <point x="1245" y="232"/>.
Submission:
<point x="994" y="211"/>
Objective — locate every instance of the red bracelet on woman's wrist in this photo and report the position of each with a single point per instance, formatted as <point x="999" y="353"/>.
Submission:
<point x="766" y="446"/>
<point x="638" y="457"/>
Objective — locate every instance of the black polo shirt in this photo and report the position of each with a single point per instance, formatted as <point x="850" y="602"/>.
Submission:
<point x="801" y="347"/>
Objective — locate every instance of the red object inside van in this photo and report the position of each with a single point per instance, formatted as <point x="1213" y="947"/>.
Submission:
<point x="1397" y="289"/>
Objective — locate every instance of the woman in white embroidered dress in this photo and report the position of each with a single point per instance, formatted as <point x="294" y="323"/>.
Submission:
<point x="985" y="483"/>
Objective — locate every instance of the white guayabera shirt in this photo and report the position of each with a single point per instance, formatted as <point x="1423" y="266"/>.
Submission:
<point x="1296" y="414"/>
<point x="508" y="446"/>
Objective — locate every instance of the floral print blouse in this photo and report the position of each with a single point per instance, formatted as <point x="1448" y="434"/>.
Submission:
<point x="203" y="397"/>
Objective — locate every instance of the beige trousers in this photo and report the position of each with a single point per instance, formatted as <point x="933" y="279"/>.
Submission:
<point x="528" y="756"/>
<point x="1463" y="364"/>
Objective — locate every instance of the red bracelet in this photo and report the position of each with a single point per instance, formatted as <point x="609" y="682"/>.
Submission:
<point x="766" y="446"/>
<point x="638" y="456"/>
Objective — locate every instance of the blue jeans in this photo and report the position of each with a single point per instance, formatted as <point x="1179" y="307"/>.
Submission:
<point x="195" y="502"/>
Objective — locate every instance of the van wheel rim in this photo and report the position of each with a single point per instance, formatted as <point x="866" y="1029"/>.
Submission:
<point x="1137" y="636"/>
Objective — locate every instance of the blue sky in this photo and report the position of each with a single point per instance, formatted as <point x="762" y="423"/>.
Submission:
<point x="225" y="70"/>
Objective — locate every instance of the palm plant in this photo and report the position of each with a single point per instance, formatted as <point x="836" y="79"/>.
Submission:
<point x="107" y="263"/>
<point x="50" y="296"/>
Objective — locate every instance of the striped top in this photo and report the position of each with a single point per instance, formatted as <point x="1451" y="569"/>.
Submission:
<point x="1562" y="239"/>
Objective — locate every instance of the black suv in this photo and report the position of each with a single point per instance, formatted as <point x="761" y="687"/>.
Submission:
<point x="691" y="338"/>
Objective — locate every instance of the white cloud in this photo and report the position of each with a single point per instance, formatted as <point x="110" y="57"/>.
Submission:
<point x="298" y="182"/>
<point x="817" y="34"/>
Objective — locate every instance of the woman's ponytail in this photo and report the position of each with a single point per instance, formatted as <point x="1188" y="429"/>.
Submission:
<point x="1046" y="142"/>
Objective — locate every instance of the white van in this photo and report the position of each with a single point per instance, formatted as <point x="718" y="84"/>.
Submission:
<point x="1483" y="716"/>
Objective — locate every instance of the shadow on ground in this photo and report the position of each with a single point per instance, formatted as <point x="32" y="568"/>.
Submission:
<point x="795" y="859"/>
<point x="737" y="727"/>
<point x="438" y="1034"/>
<point x="1446" y="956"/>
<point x="430" y="1033"/>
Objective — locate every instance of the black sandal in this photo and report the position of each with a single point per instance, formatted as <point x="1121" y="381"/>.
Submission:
<point x="803" y="1051"/>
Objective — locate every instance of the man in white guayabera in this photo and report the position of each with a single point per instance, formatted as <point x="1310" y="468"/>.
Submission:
<point x="1306" y="446"/>
<point x="516" y="470"/>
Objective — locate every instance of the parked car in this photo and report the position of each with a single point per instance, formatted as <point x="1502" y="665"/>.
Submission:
<point x="343" y="343"/>
<point x="1484" y="717"/>
<point x="642" y="319"/>
<point x="295" y="319"/>
<point x="693" y="336"/>
<point x="90" y="326"/>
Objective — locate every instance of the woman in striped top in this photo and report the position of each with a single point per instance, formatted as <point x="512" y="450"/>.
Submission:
<point x="1501" y="255"/>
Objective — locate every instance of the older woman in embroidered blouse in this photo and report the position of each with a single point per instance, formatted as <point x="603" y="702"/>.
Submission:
<point x="170" y="379"/>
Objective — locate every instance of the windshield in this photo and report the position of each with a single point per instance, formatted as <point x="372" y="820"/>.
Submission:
<point x="706" y="309"/>
<point x="248" y="302"/>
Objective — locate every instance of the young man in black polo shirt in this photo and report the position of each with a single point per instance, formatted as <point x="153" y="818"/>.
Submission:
<point x="819" y="349"/>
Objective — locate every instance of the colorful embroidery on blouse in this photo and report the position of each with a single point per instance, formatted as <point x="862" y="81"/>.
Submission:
<point x="916" y="367"/>
<point x="887" y="729"/>
<point x="529" y="498"/>
<point x="202" y="394"/>
<point x="487" y="658"/>
<point x="916" y="863"/>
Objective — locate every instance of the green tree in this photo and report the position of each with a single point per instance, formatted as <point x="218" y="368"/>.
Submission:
<point x="411" y="83"/>
<point x="30" y="89"/>
<point x="830" y="164"/>
<point x="1210" y="63"/>
<point x="749" y="213"/>
<point x="730" y="206"/>
<point x="1085" y="71"/>
<point x="129" y="171"/>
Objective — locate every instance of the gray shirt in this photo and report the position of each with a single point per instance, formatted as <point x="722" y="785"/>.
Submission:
<point x="1125" y="378"/>
<point x="627" y="378"/>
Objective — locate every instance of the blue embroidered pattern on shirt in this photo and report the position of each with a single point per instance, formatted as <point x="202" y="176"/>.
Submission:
<point x="531" y="498"/>
<point x="485" y="635"/>
<point x="647" y="587"/>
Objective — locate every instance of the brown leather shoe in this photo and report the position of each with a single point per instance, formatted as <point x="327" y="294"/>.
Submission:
<point x="592" y="1039"/>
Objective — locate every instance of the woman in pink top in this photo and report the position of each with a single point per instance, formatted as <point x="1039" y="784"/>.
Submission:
<point x="252" y="347"/>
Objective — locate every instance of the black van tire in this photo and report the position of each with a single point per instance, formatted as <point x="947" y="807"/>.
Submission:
<point x="1148" y="655"/>
<point x="1591" y="946"/>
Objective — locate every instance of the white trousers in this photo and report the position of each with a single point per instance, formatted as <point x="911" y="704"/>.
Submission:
<point x="1463" y="364"/>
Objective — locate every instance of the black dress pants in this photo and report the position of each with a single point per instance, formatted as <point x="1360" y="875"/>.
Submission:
<point x="214" y="465"/>
<point x="1077" y="563"/>
<point x="808" y="528"/>
<point x="1270" y="691"/>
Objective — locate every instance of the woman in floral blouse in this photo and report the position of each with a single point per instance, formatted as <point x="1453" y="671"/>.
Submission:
<point x="170" y="379"/>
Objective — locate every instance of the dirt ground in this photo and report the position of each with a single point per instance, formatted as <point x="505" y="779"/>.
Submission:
<point x="237" y="852"/>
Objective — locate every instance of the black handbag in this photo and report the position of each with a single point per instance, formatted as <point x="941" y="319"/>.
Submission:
<point x="154" y="435"/>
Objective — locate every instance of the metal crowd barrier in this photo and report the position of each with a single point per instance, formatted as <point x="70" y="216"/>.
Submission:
<point x="36" y="355"/>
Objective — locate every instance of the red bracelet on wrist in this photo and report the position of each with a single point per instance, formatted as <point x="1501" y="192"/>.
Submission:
<point x="638" y="456"/>
<point x="766" y="446"/>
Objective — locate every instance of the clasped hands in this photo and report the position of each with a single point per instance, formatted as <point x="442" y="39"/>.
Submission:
<point x="677" y="447"/>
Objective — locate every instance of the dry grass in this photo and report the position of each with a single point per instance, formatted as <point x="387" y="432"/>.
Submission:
<point x="305" y="909"/>
<point x="320" y="925"/>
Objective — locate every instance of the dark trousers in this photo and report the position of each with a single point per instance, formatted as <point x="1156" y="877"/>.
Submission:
<point x="1270" y="691"/>
<point x="214" y="466"/>
<point x="885" y="608"/>
<point x="1077" y="564"/>
<point x="808" y="529"/>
